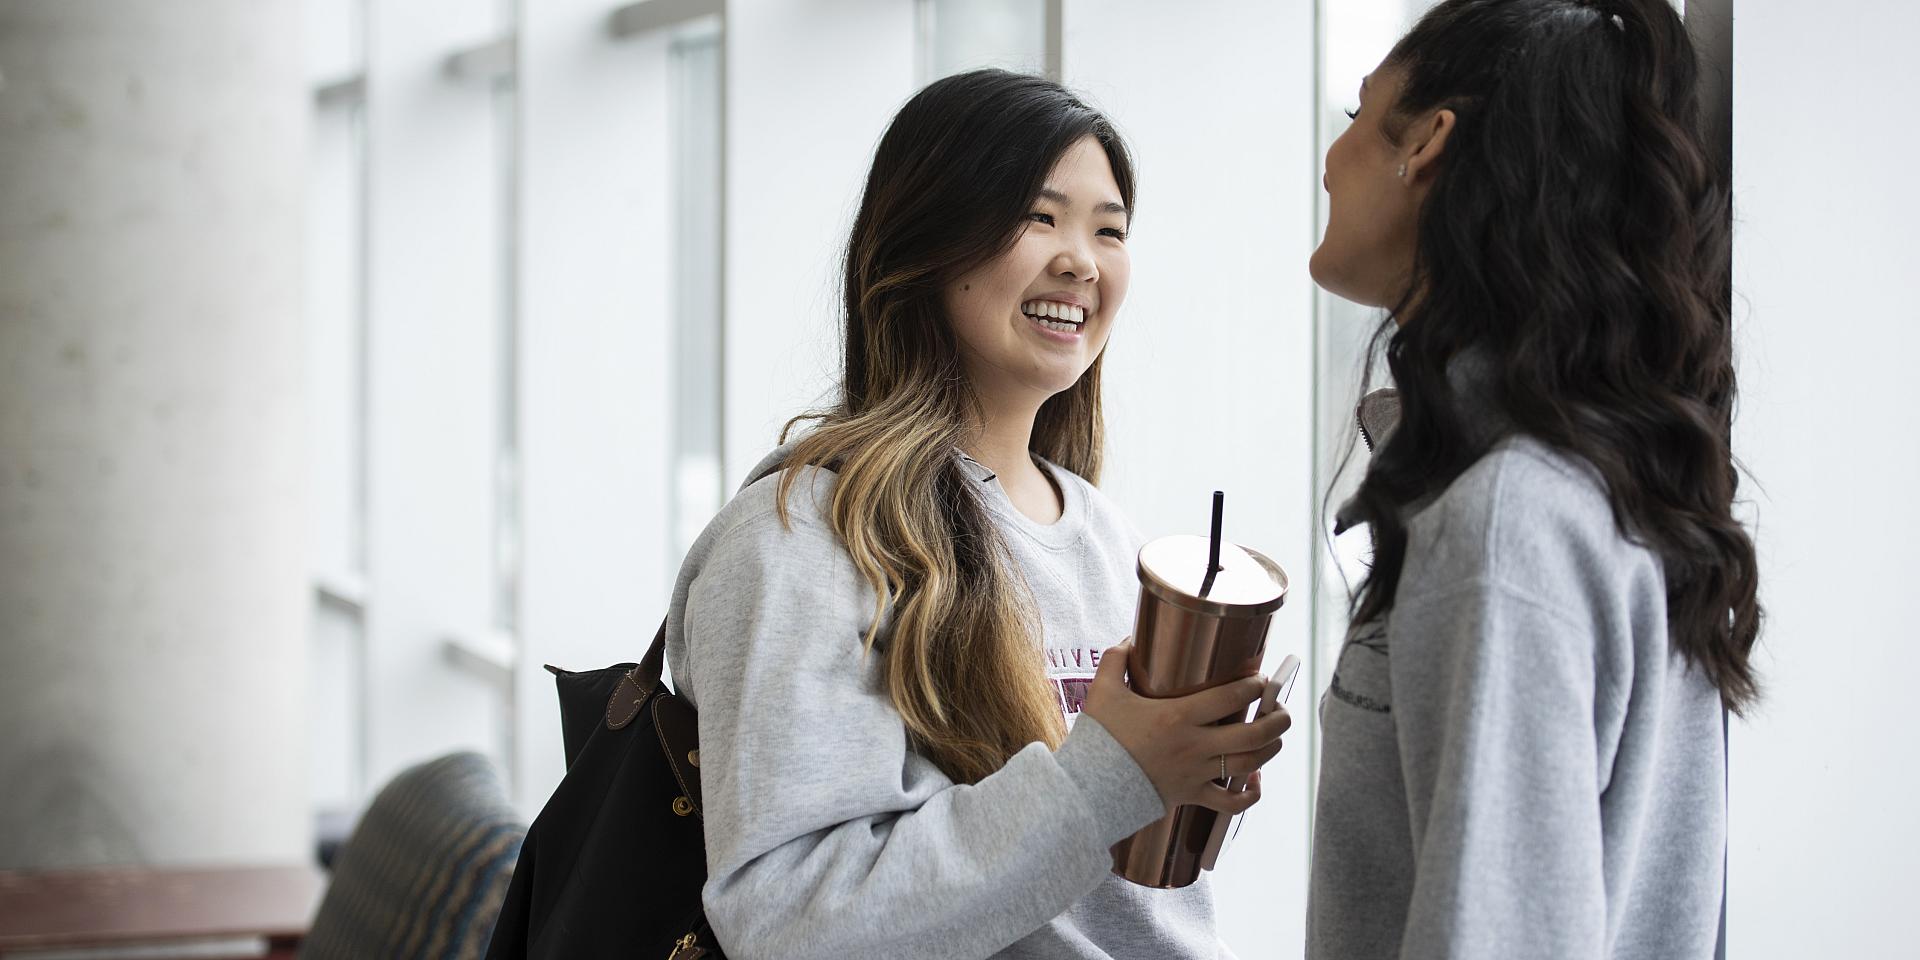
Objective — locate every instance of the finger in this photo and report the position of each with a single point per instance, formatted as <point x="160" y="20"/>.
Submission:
<point x="1216" y="797"/>
<point x="1255" y="759"/>
<point x="1246" y="763"/>
<point x="1226" y="699"/>
<point x="1257" y="733"/>
<point x="1112" y="670"/>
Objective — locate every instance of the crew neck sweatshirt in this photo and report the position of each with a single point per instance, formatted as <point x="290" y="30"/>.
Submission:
<point x="827" y="834"/>
<point x="1514" y="761"/>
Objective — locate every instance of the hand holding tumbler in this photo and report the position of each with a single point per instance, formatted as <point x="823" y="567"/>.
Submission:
<point x="1205" y="606"/>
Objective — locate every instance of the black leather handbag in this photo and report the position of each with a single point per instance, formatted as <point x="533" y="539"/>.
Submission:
<point x="614" y="863"/>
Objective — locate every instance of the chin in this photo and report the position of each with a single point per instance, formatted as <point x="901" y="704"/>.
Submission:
<point x="1056" y="388"/>
<point x="1321" y="271"/>
<point x="1340" y="284"/>
<point x="1053" y="383"/>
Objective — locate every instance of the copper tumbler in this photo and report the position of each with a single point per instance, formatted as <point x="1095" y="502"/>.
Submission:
<point x="1193" y="631"/>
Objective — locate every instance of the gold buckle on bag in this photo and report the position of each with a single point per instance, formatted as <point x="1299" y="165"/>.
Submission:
<point x="685" y="949"/>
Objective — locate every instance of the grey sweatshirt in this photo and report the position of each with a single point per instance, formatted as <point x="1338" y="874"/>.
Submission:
<point x="827" y="835"/>
<point x="1515" y="764"/>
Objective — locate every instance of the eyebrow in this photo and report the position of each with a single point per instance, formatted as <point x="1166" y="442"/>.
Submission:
<point x="1048" y="193"/>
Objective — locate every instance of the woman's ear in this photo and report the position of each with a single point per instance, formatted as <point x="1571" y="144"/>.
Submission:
<point x="1428" y="140"/>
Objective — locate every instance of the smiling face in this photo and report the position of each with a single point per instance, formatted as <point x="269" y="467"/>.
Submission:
<point x="1373" y="204"/>
<point x="1033" y="319"/>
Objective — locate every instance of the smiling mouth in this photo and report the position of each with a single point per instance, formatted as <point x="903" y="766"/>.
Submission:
<point x="1055" y="316"/>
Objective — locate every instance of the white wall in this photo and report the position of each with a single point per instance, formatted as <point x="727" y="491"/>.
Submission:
<point x="1824" y="780"/>
<point x="1209" y="376"/>
<point x="810" y="88"/>
<point x="153" y="593"/>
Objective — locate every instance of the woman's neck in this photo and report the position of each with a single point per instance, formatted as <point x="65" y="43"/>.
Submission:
<point x="1004" y="445"/>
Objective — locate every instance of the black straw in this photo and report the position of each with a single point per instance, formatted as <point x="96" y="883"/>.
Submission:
<point x="1213" y="544"/>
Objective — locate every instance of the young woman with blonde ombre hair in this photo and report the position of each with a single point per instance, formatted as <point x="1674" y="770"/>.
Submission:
<point x="914" y="740"/>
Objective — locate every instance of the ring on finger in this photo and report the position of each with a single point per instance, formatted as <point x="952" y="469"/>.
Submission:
<point x="1223" y="766"/>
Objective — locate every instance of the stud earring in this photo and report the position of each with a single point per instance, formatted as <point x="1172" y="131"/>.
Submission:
<point x="1403" y="171"/>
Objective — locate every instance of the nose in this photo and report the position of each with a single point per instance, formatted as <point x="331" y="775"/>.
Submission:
<point x="1075" y="261"/>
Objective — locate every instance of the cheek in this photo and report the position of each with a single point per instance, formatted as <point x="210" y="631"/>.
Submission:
<point x="998" y="284"/>
<point x="967" y="308"/>
<point x="1116" y="272"/>
<point x="958" y="301"/>
<point x="1343" y="176"/>
<point x="979" y="292"/>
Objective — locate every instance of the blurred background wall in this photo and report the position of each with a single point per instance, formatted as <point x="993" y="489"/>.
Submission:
<point x="360" y="356"/>
<point x="1826" y="239"/>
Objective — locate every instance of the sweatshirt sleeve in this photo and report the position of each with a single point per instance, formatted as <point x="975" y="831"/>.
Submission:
<point x="826" y="836"/>
<point x="1493" y="696"/>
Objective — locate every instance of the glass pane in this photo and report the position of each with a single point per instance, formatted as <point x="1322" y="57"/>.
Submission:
<point x="334" y="698"/>
<point x="506" y="481"/>
<point x="335" y="309"/>
<point x="335" y="370"/>
<point x="961" y="35"/>
<point x="698" y="488"/>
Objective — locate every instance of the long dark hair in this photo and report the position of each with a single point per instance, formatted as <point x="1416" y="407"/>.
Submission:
<point x="1575" y="240"/>
<point x="952" y="184"/>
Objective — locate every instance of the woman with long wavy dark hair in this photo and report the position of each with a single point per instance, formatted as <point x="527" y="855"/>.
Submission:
<point x="1522" y="738"/>
<point x="890" y="633"/>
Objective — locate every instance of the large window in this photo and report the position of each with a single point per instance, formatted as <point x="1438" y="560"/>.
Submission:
<point x="516" y="319"/>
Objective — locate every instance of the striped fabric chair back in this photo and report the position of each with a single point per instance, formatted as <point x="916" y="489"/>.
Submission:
<point x="423" y="874"/>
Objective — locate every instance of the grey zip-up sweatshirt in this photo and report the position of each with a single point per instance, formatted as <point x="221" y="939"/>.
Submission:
<point x="1515" y="763"/>
<point x="828" y="835"/>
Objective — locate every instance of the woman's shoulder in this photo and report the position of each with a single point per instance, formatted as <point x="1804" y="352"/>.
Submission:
<point x="1529" y="517"/>
<point x="754" y="513"/>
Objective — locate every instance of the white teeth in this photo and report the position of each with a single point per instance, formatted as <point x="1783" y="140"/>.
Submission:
<point x="1055" y="310"/>
<point x="1061" y="326"/>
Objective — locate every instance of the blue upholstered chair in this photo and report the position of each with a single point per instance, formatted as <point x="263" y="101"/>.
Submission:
<point x="423" y="874"/>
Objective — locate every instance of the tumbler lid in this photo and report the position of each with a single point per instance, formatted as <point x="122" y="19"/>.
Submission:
<point x="1247" y="585"/>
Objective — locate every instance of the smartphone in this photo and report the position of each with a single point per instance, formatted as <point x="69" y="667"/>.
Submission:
<point x="1280" y="687"/>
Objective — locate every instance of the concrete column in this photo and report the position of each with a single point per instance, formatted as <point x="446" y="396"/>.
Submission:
<point x="153" y="590"/>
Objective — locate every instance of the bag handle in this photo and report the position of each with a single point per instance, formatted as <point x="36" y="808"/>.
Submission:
<point x="638" y="684"/>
